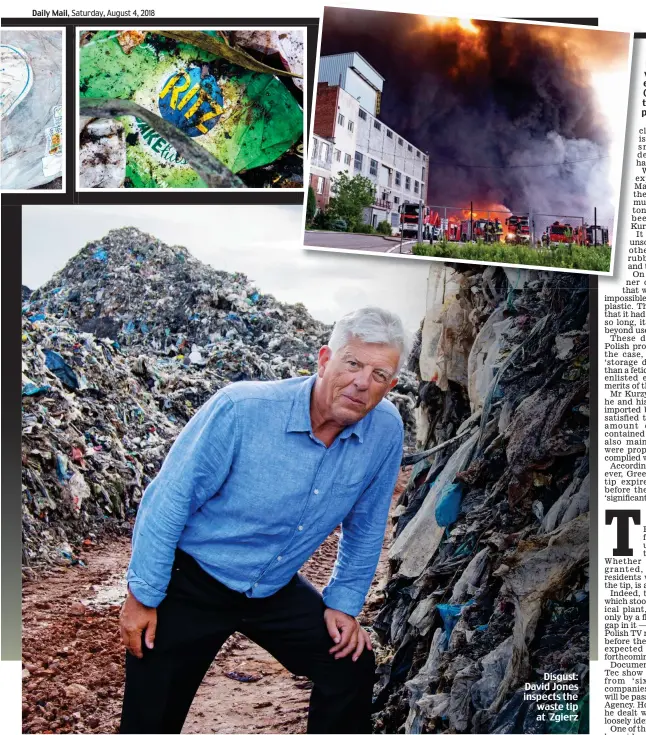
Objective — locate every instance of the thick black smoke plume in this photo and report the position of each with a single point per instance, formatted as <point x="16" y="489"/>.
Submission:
<point x="504" y="102"/>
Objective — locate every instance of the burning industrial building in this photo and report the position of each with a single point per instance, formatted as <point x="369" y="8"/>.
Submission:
<point x="511" y="115"/>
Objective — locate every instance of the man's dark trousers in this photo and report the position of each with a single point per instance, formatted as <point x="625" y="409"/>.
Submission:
<point x="195" y="618"/>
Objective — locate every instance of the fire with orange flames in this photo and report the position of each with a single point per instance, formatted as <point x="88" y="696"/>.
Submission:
<point x="518" y="112"/>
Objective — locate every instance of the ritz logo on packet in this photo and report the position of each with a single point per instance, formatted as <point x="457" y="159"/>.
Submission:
<point x="192" y="101"/>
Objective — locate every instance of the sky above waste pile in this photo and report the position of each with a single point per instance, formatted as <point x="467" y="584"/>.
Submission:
<point x="265" y="243"/>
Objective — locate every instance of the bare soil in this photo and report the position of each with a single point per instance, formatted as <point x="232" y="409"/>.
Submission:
<point x="73" y="658"/>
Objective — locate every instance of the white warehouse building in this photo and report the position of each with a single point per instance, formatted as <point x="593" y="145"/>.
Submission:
<point x="347" y="109"/>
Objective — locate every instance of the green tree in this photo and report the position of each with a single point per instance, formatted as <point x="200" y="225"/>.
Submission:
<point x="311" y="204"/>
<point x="350" y="196"/>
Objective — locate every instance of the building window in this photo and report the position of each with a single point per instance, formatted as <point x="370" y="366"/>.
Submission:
<point x="389" y="133"/>
<point x="324" y="152"/>
<point x="410" y="148"/>
<point x="350" y="126"/>
<point x="315" y="148"/>
<point x="363" y="114"/>
<point x="423" y="172"/>
<point x="373" y="167"/>
<point x="358" y="161"/>
<point x="400" y="141"/>
<point x="398" y="178"/>
<point x="408" y="183"/>
<point x="347" y="159"/>
<point x="418" y="154"/>
<point x="320" y="185"/>
<point x="396" y="200"/>
<point x="338" y="155"/>
<point x="341" y="118"/>
<point x="416" y="187"/>
<point x="377" y="124"/>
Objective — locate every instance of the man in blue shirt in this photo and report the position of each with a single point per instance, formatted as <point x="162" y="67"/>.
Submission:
<point x="253" y="485"/>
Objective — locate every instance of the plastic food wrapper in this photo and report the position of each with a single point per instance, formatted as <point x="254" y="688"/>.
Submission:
<point x="31" y="112"/>
<point x="244" y="118"/>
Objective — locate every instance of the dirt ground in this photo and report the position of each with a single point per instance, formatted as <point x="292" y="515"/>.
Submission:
<point x="73" y="658"/>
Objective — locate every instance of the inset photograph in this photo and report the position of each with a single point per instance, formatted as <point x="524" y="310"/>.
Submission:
<point x="474" y="140"/>
<point x="184" y="109"/>
<point x="31" y="109"/>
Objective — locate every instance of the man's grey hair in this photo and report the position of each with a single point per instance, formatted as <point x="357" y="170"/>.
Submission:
<point x="375" y="326"/>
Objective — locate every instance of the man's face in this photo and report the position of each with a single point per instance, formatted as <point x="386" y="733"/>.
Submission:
<point x="355" y="378"/>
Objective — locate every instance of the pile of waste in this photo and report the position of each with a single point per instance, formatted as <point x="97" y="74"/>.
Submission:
<point x="120" y="348"/>
<point x="488" y="586"/>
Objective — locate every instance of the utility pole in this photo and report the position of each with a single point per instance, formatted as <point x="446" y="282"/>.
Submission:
<point x="595" y="226"/>
<point x="420" y="223"/>
<point x="471" y="228"/>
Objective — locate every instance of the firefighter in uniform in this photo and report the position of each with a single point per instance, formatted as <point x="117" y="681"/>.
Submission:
<point x="498" y="230"/>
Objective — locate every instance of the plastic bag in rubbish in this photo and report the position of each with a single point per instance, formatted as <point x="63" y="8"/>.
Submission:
<point x="102" y="154"/>
<point x="245" y="118"/>
<point x="58" y="366"/>
<point x="450" y="614"/>
<point x="31" y="108"/>
<point x="447" y="507"/>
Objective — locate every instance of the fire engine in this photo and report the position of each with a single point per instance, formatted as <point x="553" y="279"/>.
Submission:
<point x="558" y="232"/>
<point x="518" y="228"/>
<point x="409" y="222"/>
<point x="478" y="232"/>
<point x="591" y="235"/>
<point x="453" y="231"/>
<point x="409" y="219"/>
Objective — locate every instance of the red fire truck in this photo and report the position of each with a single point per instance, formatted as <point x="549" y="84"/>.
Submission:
<point x="559" y="232"/>
<point x="409" y="221"/>
<point x="453" y="231"/>
<point x="518" y="229"/>
<point x="478" y="232"/>
<point x="591" y="235"/>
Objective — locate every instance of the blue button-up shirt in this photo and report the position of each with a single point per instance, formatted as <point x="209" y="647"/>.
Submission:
<point x="251" y="493"/>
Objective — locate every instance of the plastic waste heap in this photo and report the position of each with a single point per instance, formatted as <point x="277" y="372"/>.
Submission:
<point x="120" y="348"/>
<point x="488" y="586"/>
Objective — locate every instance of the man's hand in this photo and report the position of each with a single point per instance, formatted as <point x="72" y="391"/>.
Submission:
<point x="134" y="619"/>
<point x="346" y="633"/>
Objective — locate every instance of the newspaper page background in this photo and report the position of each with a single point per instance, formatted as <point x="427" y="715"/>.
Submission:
<point x="620" y="678"/>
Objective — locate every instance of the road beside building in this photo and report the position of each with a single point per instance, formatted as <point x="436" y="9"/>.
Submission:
<point x="354" y="241"/>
